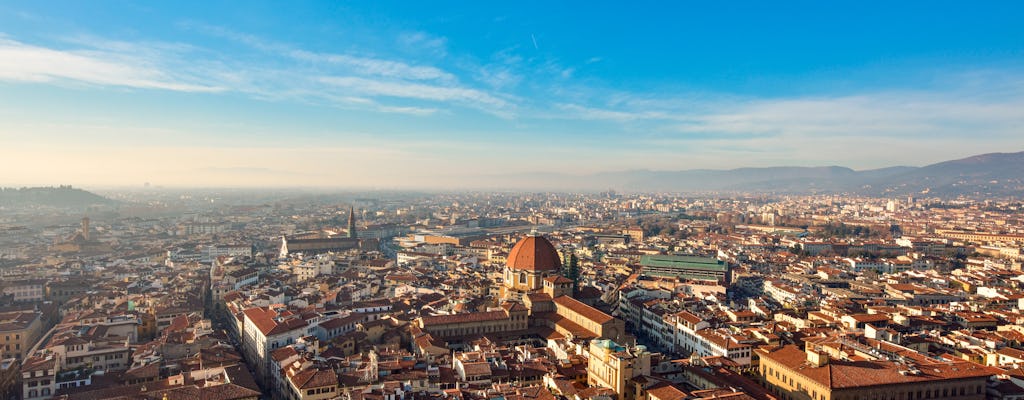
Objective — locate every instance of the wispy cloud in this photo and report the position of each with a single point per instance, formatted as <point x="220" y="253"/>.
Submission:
<point x="357" y="64"/>
<point x="950" y="109"/>
<point x="122" y="67"/>
<point x="886" y="114"/>
<point x="408" y="90"/>
<point x="375" y="79"/>
<point x="280" y="73"/>
<point x="422" y="42"/>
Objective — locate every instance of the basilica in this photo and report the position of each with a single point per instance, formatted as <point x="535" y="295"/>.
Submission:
<point x="536" y="300"/>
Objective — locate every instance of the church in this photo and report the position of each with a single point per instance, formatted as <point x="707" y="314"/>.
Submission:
<point x="536" y="300"/>
<point x="532" y="265"/>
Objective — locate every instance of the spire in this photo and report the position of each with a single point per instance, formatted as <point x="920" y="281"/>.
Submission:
<point x="352" y="222"/>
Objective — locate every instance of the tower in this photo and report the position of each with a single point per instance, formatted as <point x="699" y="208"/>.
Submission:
<point x="352" y="222"/>
<point x="85" y="228"/>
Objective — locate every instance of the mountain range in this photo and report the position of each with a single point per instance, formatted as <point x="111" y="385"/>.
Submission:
<point x="991" y="175"/>
<point x="981" y="176"/>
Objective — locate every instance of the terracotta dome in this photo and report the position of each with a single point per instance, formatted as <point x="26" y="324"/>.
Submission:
<point x="534" y="253"/>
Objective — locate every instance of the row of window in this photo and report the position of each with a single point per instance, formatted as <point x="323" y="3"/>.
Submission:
<point x="921" y="394"/>
<point x="43" y="382"/>
<point x="319" y="391"/>
<point x="34" y="393"/>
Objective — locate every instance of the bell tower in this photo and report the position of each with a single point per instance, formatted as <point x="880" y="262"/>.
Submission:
<point x="352" y="222"/>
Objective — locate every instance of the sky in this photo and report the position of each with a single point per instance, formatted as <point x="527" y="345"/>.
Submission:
<point x="440" y="94"/>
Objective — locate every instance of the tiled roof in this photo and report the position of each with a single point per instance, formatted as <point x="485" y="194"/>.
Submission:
<point x="463" y="318"/>
<point x="588" y="312"/>
<point x="534" y="253"/>
<point x="846" y="374"/>
<point x="314" y="378"/>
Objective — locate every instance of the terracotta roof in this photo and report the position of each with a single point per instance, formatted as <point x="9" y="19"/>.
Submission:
<point x="283" y="353"/>
<point x="689" y="317"/>
<point x="314" y="378"/>
<point x="666" y="391"/>
<point x="264" y="320"/>
<point x="534" y="253"/>
<point x="558" y="279"/>
<point x="463" y="318"/>
<point x="584" y="310"/>
<point x="481" y="368"/>
<point x="844" y="374"/>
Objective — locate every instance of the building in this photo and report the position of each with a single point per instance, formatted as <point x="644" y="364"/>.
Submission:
<point x="82" y="242"/>
<point x="228" y="250"/>
<point x="19" y="331"/>
<point x="510" y="318"/>
<point x="264" y="331"/>
<point x="27" y="290"/>
<point x="10" y="378"/>
<point x="39" y="376"/>
<point x="531" y="260"/>
<point x="613" y="366"/>
<point x="317" y="245"/>
<point x="636" y="234"/>
<point x="312" y="383"/>
<point x="532" y="277"/>
<point x="691" y="268"/>
<point x="846" y="369"/>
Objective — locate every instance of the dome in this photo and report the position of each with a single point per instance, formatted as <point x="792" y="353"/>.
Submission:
<point x="534" y="253"/>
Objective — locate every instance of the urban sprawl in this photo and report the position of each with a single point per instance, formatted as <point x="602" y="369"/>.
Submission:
<point x="505" y="296"/>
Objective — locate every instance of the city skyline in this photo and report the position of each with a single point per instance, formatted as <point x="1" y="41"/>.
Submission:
<point x="395" y="95"/>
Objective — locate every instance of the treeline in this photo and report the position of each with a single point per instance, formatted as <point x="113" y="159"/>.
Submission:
<point x="842" y="230"/>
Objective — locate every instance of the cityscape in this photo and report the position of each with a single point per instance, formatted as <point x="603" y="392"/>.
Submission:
<point x="402" y="201"/>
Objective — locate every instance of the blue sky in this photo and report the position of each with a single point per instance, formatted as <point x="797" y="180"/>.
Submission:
<point x="418" y="94"/>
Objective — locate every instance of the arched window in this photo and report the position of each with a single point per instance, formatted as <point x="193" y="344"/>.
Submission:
<point x="522" y="278"/>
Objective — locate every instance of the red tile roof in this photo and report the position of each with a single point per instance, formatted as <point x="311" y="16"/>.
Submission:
<point x="534" y="253"/>
<point x="588" y="312"/>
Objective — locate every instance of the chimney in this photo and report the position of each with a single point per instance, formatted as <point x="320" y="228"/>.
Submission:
<point x="816" y="356"/>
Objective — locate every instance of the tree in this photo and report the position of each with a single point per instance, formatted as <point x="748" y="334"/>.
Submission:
<point x="572" y="269"/>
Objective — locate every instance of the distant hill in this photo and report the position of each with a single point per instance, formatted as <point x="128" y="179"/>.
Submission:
<point x="995" y="174"/>
<point x="61" y="196"/>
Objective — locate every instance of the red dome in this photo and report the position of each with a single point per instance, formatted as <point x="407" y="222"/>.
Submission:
<point x="534" y="253"/>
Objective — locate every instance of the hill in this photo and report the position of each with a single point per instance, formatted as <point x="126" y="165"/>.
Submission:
<point x="61" y="196"/>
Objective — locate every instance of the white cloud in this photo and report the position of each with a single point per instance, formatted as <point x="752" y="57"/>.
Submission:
<point x="28" y="63"/>
<point x="410" y="90"/>
<point x="356" y="64"/>
<point x="904" y="114"/>
<point x="368" y="83"/>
